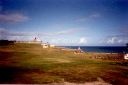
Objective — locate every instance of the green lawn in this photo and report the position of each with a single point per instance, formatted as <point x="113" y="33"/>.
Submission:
<point x="30" y="63"/>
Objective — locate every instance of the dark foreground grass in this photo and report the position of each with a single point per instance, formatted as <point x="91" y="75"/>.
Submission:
<point x="30" y="63"/>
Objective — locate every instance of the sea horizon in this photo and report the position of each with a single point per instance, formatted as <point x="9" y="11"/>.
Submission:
<point x="101" y="49"/>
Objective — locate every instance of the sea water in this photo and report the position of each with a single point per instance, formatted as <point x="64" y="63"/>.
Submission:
<point x="103" y="49"/>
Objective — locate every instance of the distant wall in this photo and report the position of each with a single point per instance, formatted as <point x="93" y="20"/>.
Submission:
<point x="6" y="42"/>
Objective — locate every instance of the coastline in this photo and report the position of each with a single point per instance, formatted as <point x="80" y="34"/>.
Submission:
<point x="72" y="49"/>
<point x="97" y="55"/>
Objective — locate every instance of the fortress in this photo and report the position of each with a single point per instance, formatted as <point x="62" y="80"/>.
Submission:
<point x="34" y="41"/>
<point x="38" y="41"/>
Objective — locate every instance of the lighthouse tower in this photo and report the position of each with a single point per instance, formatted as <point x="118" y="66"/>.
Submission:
<point x="36" y="40"/>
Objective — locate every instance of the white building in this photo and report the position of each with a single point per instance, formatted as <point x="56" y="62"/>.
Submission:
<point x="45" y="45"/>
<point x="52" y="46"/>
<point x="126" y="56"/>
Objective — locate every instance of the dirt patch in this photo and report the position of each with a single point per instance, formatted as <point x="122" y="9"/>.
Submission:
<point x="58" y="60"/>
<point x="98" y="82"/>
<point x="88" y="83"/>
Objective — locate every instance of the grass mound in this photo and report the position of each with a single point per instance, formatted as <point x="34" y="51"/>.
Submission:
<point x="30" y="63"/>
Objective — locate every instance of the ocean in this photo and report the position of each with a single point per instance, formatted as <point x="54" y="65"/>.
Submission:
<point x="101" y="49"/>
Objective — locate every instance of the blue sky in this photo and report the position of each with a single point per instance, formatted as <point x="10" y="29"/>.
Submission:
<point x="66" y="22"/>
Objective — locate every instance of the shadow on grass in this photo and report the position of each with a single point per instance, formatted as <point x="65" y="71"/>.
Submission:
<point x="8" y="74"/>
<point x="12" y="75"/>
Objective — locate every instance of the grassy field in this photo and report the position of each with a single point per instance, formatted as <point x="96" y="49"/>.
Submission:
<point x="30" y="63"/>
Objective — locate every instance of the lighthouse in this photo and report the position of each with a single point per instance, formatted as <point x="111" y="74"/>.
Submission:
<point x="36" y="41"/>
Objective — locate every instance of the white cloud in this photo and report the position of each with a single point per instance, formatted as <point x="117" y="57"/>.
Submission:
<point x="66" y="41"/>
<point x="52" y="37"/>
<point x="7" y="34"/>
<point x="82" y="40"/>
<point x="95" y="15"/>
<point x="115" y="40"/>
<point x="62" y="32"/>
<point x="111" y="40"/>
<point x="12" y="18"/>
<point x="88" y="17"/>
<point x="3" y="33"/>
